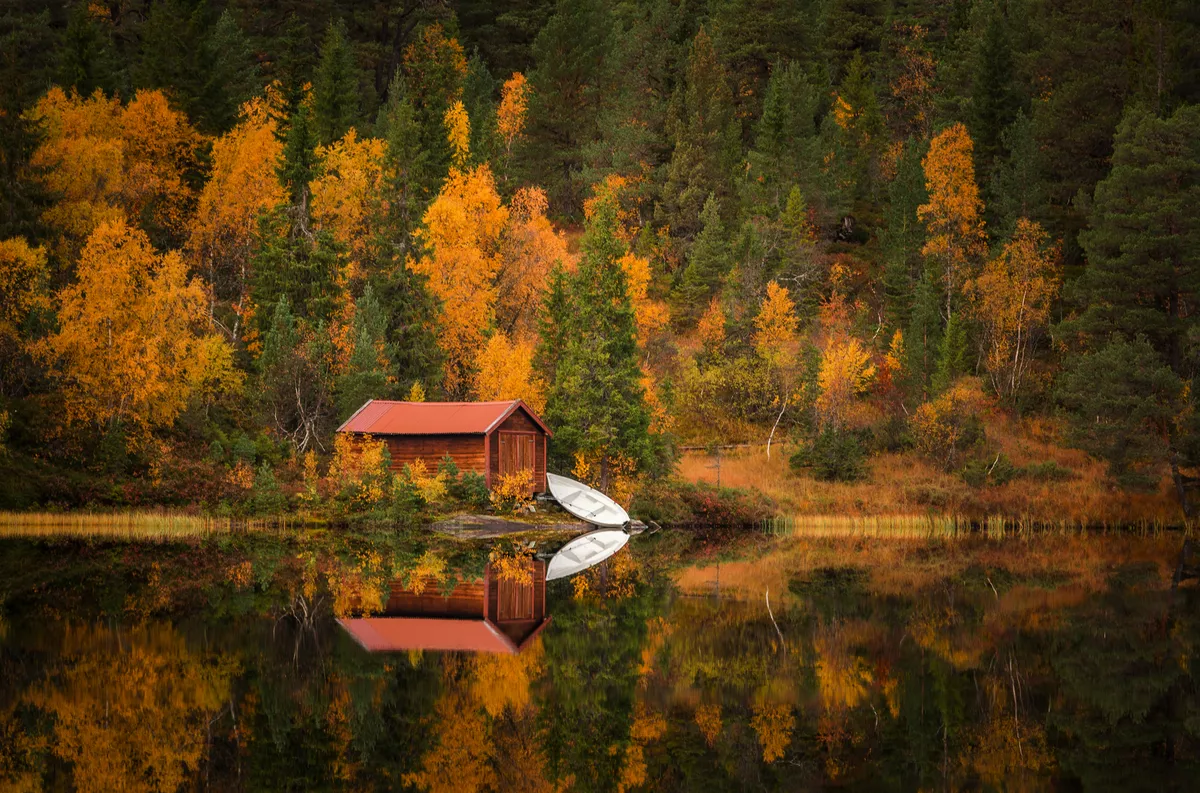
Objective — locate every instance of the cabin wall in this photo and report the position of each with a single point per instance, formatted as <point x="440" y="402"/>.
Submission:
<point x="465" y="450"/>
<point x="520" y="422"/>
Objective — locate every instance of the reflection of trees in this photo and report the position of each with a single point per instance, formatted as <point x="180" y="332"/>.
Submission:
<point x="131" y="708"/>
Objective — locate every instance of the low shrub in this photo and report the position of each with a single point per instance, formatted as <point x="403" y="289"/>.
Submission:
<point x="832" y="457"/>
<point x="671" y="502"/>
<point x="511" y="492"/>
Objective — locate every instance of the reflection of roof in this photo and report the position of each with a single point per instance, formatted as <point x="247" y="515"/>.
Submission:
<point x="392" y="634"/>
<point x="382" y="417"/>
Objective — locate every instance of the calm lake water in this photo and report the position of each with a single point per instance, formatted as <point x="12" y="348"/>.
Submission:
<point x="1055" y="663"/>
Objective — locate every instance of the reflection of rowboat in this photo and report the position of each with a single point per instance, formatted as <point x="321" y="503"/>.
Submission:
<point x="585" y="503"/>
<point x="585" y="551"/>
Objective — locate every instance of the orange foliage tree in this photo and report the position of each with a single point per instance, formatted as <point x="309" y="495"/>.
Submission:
<point x="23" y="281"/>
<point x="241" y="185"/>
<point x="133" y="344"/>
<point x="107" y="161"/>
<point x="530" y="248"/>
<point x="953" y="217"/>
<point x="345" y="197"/>
<point x="775" y="327"/>
<point x="845" y="372"/>
<point x="1012" y="299"/>
<point x="461" y="234"/>
<point x="510" y="116"/>
<point x="504" y="370"/>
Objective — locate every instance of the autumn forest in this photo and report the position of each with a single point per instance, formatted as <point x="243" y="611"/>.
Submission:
<point x="893" y="255"/>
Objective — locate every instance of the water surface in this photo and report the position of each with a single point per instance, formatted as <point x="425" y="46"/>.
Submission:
<point x="1046" y="664"/>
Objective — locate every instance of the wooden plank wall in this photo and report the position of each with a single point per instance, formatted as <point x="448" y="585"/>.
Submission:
<point x="466" y="450"/>
<point x="520" y="422"/>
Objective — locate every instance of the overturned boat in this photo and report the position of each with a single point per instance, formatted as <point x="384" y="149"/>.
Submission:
<point x="585" y="551"/>
<point x="586" y="503"/>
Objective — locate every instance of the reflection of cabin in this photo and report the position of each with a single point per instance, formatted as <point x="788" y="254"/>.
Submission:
<point x="490" y="616"/>
<point x="490" y="438"/>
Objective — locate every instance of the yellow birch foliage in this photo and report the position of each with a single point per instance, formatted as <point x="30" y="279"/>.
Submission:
<point x="650" y="316"/>
<point x="107" y="161"/>
<point x="712" y="327"/>
<point x="131" y="712"/>
<point x="530" y="247"/>
<point x="461" y="234"/>
<point x="954" y="215"/>
<point x="132" y="344"/>
<point x="345" y="196"/>
<point x="504" y="370"/>
<point x="1012" y="299"/>
<point x="23" y="280"/>
<point x="773" y="723"/>
<point x="775" y="326"/>
<point x="241" y="185"/>
<point x="514" y="102"/>
<point x="359" y="468"/>
<point x="845" y="372"/>
<point x="458" y="133"/>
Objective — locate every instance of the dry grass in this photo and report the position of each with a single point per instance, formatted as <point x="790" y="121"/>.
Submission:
<point x="144" y="526"/>
<point x="906" y="484"/>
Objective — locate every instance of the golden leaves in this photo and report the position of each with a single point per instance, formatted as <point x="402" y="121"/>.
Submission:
<point x="514" y="102"/>
<point x="953" y="216"/>
<point x="650" y="316"/>
<point x="845" y="372"/>
<point x="111" y="162"/>
<point x="775" y="326"/>
<point x="23" y="279"/>
<point x="774" y="723"/>
<point x="461" y="233"/>
<point x="345" y="195"/>
<point x="131" y="345"/>
<point x="711" y="329"/>
<point x="458" y="133"/>
<point x="1012" y="300"/>
<point x="504" y="371"/>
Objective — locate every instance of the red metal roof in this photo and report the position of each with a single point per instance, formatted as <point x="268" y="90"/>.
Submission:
<point x="383" y="417"/>
<point x="390" y="634"/>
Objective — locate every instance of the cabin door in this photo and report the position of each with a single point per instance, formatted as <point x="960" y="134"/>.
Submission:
<point x="517" y="450"/>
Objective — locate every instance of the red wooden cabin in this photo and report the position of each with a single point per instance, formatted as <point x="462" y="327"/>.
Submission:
<point x="490" y="438"/>
<point x="490" y="616"/>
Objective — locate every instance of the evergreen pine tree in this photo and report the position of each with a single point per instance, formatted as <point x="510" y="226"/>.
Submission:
<point x="336" y="99"/>
<point x="1143" y="241"/>
<point x="294" y="377"/>
<point x="903" y="233"/>
<point x="567" y="86"/>
<point x="406" y="167"/>
<point x="231" y="75"/>
<point x="923" y="339"/>
<point x="707" y="263"/>
<point x="786" y="147"/>
<point x="553" y="320"/>
<point x="1016" y="189"/>
<point x="595" y="403"/>
<point x="370" y="369"/>
<point x="953" y="352"/>
<point x="994" y="96"/>
<point x="87" y="56"/>
<point x="26" y="65"/>
<point x="707" y="137"/>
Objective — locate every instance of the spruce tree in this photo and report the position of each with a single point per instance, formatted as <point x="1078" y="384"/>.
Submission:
<point x="595" y="403"/>
<point x="923" y="337"/>
<point x="707" y="263"/>
<point x="407" y="171"/>
<point x="1143" y="240"/>
<point x="953" y="354"/>
<point x="87" y="56"/>
<point x="231" y="75"/>
<point x="567" y="86"/>
<point x="336" y="100"/>
<point x="707" y="137"/>
<point x="903" y="233"/>
<point x="370" y="369"/>
<point x="1016" y="189"/>
<point x="994" y="98"/>
<point x="786" y="147"/>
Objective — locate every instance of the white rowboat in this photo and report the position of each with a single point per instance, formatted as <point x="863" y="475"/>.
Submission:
<point x="585" y="503"/>
<point x="585" y="551"/>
